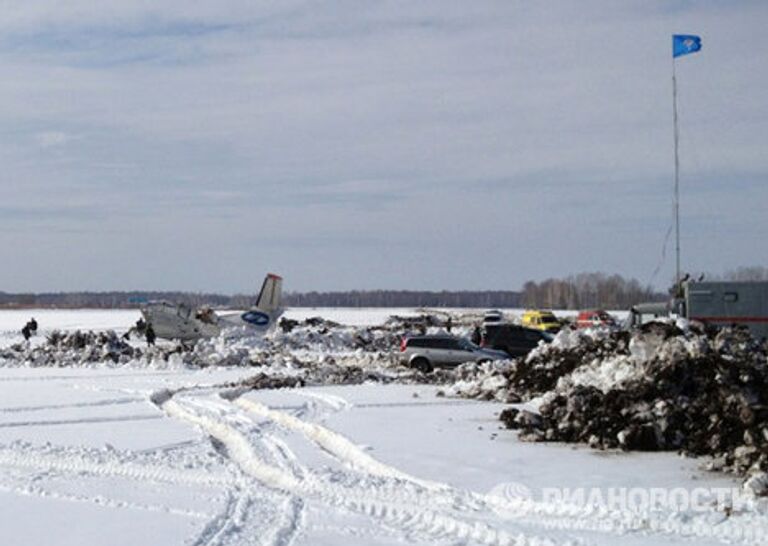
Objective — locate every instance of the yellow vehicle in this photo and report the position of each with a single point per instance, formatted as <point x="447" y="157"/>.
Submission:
<point x="541" y="320"/>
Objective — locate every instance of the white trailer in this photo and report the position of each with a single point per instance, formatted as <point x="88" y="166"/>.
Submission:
<point x="727" y="303"/>
<point x="719" y="303"/>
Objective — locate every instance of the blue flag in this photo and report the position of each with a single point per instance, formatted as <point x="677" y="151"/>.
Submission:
<point x="683" y="44"/>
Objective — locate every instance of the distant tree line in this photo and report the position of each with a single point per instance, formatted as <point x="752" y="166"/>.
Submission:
<point x="405" y="298"/>
<point x="581" y="291"/>
<point x="108" y="300"/>
<point x="588" y="290"/>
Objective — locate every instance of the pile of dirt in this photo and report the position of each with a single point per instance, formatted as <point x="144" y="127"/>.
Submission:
<point x="699" y="393"/>
<point x="329" y="374"/>
<point x="71" y="348"/>
<point x="288" y="325"/>
<point x="415" y="322"/>
<point x="525" y="378"/>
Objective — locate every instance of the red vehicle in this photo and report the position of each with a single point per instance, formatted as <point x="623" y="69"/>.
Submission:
<point x="595" y="318"/>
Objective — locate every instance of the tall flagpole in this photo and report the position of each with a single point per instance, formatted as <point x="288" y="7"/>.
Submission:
<point x="682" y="44"/>
<point x="677" y="177"/>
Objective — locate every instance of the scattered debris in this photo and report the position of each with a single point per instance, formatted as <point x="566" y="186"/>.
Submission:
<point x="315" y="351"/>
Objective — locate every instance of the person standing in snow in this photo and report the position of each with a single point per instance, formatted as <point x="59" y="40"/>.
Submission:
<point x="139" y="329"/>
<point x="149" y="332"/>
<point x="477" y="335"/>
<point x="26" y="332"/>
<point x="449" y="324"/>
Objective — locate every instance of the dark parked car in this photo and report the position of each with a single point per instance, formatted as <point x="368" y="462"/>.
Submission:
<point x="513" y="339"/>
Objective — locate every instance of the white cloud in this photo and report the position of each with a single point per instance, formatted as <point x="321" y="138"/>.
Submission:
<point x="421" y="125"/>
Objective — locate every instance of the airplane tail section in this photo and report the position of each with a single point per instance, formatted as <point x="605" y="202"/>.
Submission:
<point x="271" y="295"/>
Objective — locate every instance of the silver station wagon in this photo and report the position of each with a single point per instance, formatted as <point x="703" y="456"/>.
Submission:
<point x="424" y="353"/>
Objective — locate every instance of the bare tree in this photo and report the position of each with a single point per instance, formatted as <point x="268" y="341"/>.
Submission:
<point x="587" y="290"/>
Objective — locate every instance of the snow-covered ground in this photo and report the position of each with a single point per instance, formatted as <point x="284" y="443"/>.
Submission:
<point x="184" y="456"/>
<point x="12" y="320"/>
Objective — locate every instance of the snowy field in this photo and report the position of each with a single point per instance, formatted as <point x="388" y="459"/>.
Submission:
<point x="178" y="455"/>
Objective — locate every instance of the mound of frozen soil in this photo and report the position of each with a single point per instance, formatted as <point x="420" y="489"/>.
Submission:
<point x="71" y="349"/>
<point x="657" y="390"/>
<point x="93" y="349"/>
<point x="523" y="379"/>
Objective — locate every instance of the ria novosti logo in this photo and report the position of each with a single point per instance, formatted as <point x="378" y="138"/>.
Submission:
<point x="639" y="500"/>
<point x="512" y="491"/>
<point x="699" y="511"/>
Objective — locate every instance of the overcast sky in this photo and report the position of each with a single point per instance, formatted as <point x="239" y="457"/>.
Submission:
<point x="426" y="145"/>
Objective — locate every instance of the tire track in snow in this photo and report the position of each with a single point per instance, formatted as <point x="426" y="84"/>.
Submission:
<point x="236" y="523"/>
<point x="289" y="524"/>
<point x="334" y="443"/>
<point x="168" y="448"/>
<point x="225" y="523"/>
<point x="560" y="516"/>
<point x="277" y="526"/>
<point x="104" y="464"/>
<point x="409" y="518"/>
<point x="37" y="491"/>
<point x="352" y="455"/>
<point x="571" y="517"/>
<point x="281" y="451"/>
<point x="336" y="403"/>
<point x="98" y="403"/>
<point x="76" y="463"/>
<point x="84" y="420"/>
<point x="548" y="515"/>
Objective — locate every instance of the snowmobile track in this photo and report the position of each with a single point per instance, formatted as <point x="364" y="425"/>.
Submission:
<point x="99" y="463"/>
<point x="335" y="444"/>
<point x="410" y="518"/>
<point x="98" y="403"/>
<point x="99" y="500"/>
<point x="93" y="420"/>
<point x="414" y="507"/>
